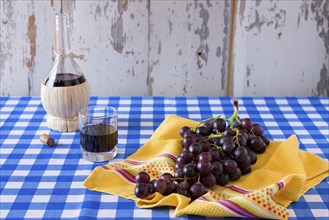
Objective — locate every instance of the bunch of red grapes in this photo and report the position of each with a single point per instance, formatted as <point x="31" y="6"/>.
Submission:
<point x="214" y="152"/>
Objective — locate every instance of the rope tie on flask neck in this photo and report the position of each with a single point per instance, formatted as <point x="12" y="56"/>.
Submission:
<point x="63" y="55"/>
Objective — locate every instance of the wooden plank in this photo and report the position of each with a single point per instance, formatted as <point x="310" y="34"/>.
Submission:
<point x="110" y="42"/>
<point x="27" y="42"/>
<point x="281" y="48"/>
<point x="44" y="12"/>
<point x="188" y="47"/>
<point x="172" y="47"/>
<point x="14" y="72"/>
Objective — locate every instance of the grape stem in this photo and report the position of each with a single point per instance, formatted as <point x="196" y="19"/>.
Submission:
<point x="234" y="116"/>
<point x="251" y="131"/>
<point x="236" y="137"/>
<point x="231" y="119"/>
<point x="218" y="148"/>
<point x="203" y="121"/>
<point x="177" y="178"/>
<point x="210" y="119"/>
<point x="219" y="134"/>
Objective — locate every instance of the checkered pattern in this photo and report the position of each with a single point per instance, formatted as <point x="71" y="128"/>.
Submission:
<point x="38" y="181"/>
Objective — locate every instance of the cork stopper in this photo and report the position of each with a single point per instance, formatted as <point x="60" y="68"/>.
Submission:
<point x="46" y="139"/>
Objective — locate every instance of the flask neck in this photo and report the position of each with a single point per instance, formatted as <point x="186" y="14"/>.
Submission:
<point x="62" y="46"/>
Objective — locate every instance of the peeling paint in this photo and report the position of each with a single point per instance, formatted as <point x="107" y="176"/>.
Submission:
<point x="199" y="53"/>
<point x="159" y="48"/>
<point x="322" y="86"/>
<point x="6" y="54"/>
<point x="280" y="19"/>
<point x="202" y="54"/>
<point x="203" y="34"/>
<point x="186" y="83"/>
<point x="241" y="10"/>
<point x="170" y="26"/>
<point x="117" y="33"/>
<point x="218" y="51"/>
<point x="32" y="35"/>
<point x="209" y="5"/>
<point x="273" y="8"/>
<point x="279" y="35"/>
<point x="256" y="24"/>
<point x="122" y="6"/>
<point x="98" y="12"/>
<point x="149" y="78"/>
<point x="316" y="10"/>
<point x="322" y="17"/>
<point x="305" y="11"/>
<point x="225" y="44"/>
<point x="195" y="4"/>
<point x="320" y="11"/>
<point x="285" y="20"/>
<point x="132" y="52"/>
<point x="189" y="26"/>
<point x="187" y="6"/>
<point x="81" y="56"/>
<point x="248" y="71"/>
<point x="106" y="6"/>
<point x="325" y="37"/>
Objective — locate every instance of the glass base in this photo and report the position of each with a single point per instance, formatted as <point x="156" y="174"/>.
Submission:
<point x="99" y="157"/>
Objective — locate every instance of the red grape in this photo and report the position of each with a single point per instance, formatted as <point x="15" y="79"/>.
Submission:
<point x="183" y="130"/>
<point x="235" y="175"/>
<point x="166" y="176"/>
<point x="160" y="186"/>
<point x="142" y="190"/>
<point x="257" y="129"/>
<point x="217" y="168"/>
<point x="142" y="177"/>
<point x="204" y="167"/>
<point x="223" y="179"/>
<point x="240" y="153"/>
<point x="208" y="180"/>
<point x="246" y="123"/>
<point x="230" y="166"/>
<point x="203" y="131"/>
<point x="189" y="170"/>
<point x="205" y="156"/>
<point x="197" y="190"/>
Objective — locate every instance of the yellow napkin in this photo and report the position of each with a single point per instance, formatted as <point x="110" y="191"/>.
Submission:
<point x="281" y="175"/>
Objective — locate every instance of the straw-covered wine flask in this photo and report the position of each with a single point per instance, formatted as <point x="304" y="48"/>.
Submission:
<point x="65" y="90"/>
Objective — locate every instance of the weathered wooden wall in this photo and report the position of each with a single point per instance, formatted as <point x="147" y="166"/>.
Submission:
<point x="282" y="48"/>
<point x="136" y="47"/>
<point x="172" y="47"/>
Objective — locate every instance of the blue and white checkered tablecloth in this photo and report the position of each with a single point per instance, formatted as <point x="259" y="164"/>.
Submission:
<point x="38" y="181"/>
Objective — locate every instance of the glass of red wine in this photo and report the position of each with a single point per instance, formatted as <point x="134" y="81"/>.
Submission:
<point x="98" y="126"/>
